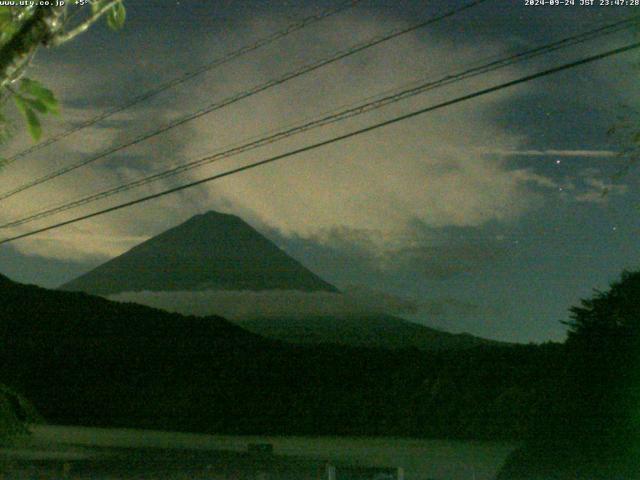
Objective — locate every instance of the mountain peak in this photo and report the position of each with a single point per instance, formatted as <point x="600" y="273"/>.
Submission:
<point x="210" y="251"/>
<point x="212" y="215"/>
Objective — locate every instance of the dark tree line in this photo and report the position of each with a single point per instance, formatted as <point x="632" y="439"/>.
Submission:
<point x="590" y="425"/>
<point x="84" y="360"/>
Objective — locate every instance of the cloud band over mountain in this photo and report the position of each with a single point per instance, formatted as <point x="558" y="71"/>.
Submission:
<point x="236" y="305"/>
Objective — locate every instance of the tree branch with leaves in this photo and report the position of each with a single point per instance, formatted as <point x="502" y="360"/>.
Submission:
<point x="24" y="30"/>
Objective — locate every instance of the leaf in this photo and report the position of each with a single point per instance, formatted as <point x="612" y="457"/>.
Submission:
<point x="33" y="122"/>
<point x="116" y="16"/>
<point x="37" y="105"/>
<point x="8" y="28"/>
<point x="20" y="103"/>
<point x="35" y="88"/>
<point x="42" y="95"/>
<point x="96" y="5"/>
<point x="6" y="17"/>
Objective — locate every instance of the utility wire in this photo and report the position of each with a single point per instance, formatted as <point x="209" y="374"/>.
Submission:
<point x="339" y="138"/>
<point x="369" y="104"/>
<point x="294" y="27"/>
<point x="242" y="95"/>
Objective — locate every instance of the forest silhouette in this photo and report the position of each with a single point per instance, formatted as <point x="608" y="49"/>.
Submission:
<point x="85" y="360"/>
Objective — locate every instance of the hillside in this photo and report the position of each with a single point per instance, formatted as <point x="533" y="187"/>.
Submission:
<point x="379" y="331"/>
<point x="85" y="360"/>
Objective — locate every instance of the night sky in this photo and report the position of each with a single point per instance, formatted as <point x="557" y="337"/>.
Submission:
<point x="488" y="216"/>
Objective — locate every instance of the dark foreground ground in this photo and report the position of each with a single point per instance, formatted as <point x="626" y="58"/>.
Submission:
<point x="74" y="453"/>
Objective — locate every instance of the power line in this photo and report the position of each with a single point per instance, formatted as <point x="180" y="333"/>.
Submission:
<point x="339" y="138"/>
<point x="244" y="94"/>
<point x="294" y="27"/>
<point x="342" y="114"/>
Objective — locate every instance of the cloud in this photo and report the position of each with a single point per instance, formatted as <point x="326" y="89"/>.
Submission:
<point x="426" y="170"/>
<point x="451" y="307"/>
<point x="555" y="153"/>
<point x="353" y="301"/>
<point x="272" y="304"/>
<point x="598" y="190"/>
<point x="428" y="253"/>
<point x="444" y="261"/>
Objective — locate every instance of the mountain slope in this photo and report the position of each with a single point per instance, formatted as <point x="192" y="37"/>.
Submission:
<point x="210" y="251"/>
<point x="85" y="360"/>
<point x="376" y="331"/>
